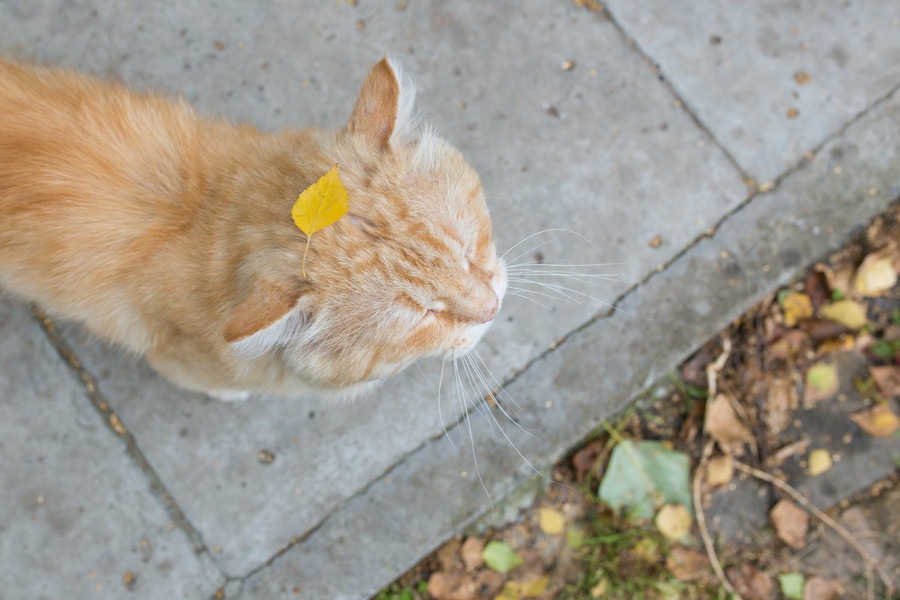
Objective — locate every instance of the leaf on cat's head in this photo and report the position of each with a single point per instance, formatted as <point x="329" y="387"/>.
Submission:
<point x="319" y="206"/>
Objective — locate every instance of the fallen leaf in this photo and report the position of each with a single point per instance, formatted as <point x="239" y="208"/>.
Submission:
<point x="838" y="281"/>
<point x="464" y="586"/>
<point x="674" y="521"/>
<point x="815" y="285"/>
<point x="470" y="552"/>
<point x="443" y="585"/>
<point x="500" y="557"/>
<point x="686" y="563"/>
<point x="599" y="590"/>
<point x="791" y="523"/>
<point x="781" y="400"/>
<point x="791" y="585"/>
<point x="751" y="583"/>
<point x="319" y="206"/>
<point x="642" y="476"/>
<point x="724" y="426"/>
<point x="819" y="461"/>
<point x="585" y="460"/>
<point x="719" y="470"/>
<point x="575" y="538"/>
<point x="647" y="551"/>
<point x="536" y="587"/>
<point x="875" y="275"/>
<point x="821" y="382"/>
<point x="790" y="345"/>
<point x="878" y="421"/>
<point x="849" y="313"/>
<point x="552" y="522"/>
<point x="817" y="588"/>
<point x="887" y="378"/>
<point x="820" y="330"/>
<point x="796" y="306"/>
<point x="843" y="343"/>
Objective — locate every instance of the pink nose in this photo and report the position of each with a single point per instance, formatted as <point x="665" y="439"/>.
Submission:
<point x="490" y="310"/>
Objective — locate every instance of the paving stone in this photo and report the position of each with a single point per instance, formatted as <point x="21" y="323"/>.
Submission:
<point x="744" y="67"/>
<point x="75" y="513"/>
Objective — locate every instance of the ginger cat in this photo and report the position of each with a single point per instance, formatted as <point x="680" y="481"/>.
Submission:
<point x="170" y="235"/>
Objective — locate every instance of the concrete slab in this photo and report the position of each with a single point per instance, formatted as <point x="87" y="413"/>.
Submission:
<point x="75" y="512"/>
<point x="597" y="370"/>
<point x="770" y="79"/>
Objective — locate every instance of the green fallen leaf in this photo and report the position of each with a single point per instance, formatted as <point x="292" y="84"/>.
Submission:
<point x="644" y="476"/>
<point x="792" y="585"/>
<point x="500" y="557"/>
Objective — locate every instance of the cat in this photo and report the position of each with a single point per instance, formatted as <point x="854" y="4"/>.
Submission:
<point x="170" y="235"/>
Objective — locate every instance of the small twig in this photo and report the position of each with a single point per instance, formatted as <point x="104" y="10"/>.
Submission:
<point x="701" y="522"/>
<point x="871" y="563"/>
<point x="713" y="368"/>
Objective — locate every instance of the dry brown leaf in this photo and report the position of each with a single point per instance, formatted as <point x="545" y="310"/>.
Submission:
<point x="585" y="460"/>
<point x="470" y="552"/>
<point x="878" y="421"/>
<point x="790" y="345"/>
<point x="822" y="382"/>
<point x="887" y="378"/>
<point x="482" y="585"/>
<point x="781" y="401"/>
<point x="791" y="523"/>
<point x="849" y="313"/>
<point x="724" y="426"/>
<point x="875" y="275"/>
<point x="843" y="343"/>
<point x="686" y="563"/>
<point x="817" y="588"/>
<point x="838" y="281"/>
<point x="796" y="306"/>
<point x="719" y="470"/>
<point x="751" y="583"/>
<point x="674" y="521"/>
<point x="819" y="461"/>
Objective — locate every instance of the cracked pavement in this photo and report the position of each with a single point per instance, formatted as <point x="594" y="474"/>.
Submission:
<point x="708" y="154"/>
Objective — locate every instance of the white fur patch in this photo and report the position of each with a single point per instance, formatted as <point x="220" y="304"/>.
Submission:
<point x="278" y="333"/>
<point x="406" y="122"/>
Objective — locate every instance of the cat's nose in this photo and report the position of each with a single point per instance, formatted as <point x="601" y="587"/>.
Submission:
<point x="489" y="311"/>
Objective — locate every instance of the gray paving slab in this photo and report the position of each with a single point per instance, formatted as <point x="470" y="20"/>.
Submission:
<point x="743" y="67"/>
<point x="597" y="370"/>
<point x="75" y="512"/>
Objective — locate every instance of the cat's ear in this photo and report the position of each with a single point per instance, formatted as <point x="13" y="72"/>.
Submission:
<point x="384" y="107"/>
<point x="266" y="317"/>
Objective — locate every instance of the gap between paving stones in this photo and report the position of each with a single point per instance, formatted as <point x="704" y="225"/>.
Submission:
<point x="156" y="486"/>
<point x="711" y="232"/>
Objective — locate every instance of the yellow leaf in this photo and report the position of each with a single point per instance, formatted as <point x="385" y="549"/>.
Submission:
<point x="552" y="521"/>
<point x="535" y="588"/>
<point x="673" y="521"/>
<point x="875" y="275"/>
<point x="822" y="382"/>
<point x="796" y="306"/>
<point x="320" y="205"/>
<point x="819" y="461"/>
<point x="848" y="313"/>
<point x="878" y="421"/>
<point x="511" y="591"/>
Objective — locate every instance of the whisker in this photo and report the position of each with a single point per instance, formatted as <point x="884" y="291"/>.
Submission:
<point x="569" y="274"/>
<point x="535" y="292"/>
<point x="552" y="230"/>
<point x="558" y="288"/>
<point x="440" y="411"/>
<point x="518" y="295"/>
<point x="472" y="439"/>
<point x="499" y="386"/>
<point x="513" y="266"/>
<point x="499" y="404"/>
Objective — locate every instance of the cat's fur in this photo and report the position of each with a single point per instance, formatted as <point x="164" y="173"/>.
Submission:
<point x="170" y="235"/>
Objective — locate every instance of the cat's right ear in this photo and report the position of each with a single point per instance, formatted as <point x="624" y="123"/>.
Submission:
<point x="268" y="317"/>
<point x="384" y="107"/>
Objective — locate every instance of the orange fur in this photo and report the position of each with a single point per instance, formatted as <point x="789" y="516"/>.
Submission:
<point x="170" y="235"/>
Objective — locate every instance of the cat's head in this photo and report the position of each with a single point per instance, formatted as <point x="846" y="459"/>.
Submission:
<point x="410" y="272"/>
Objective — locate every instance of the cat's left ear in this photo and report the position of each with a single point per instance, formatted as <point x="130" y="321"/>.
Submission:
<point x="384" y="107"/>
<point x="267" y="317"/>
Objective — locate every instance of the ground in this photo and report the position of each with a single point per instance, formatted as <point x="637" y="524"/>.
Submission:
<point x="801" y="389"/>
